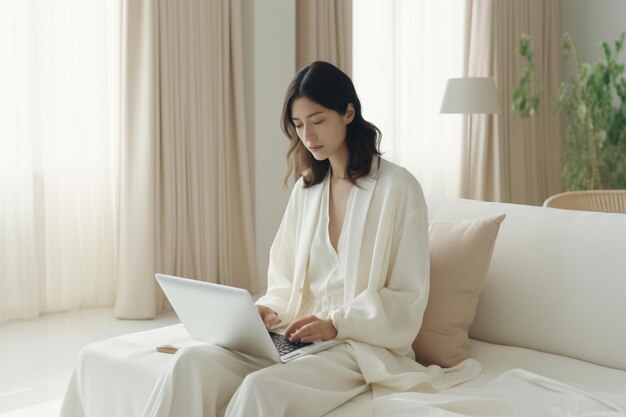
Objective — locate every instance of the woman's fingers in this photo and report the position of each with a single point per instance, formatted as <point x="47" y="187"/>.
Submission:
<point x="268" y="316"/>
<point x="315" y="330"/>
<point x="309" y="329"/>
<point x="296" y="325"/>
<point x="306" y="333"/>
<point x="270" y="319"/>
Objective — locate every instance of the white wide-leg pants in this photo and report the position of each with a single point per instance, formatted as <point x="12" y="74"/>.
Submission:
<point x="211" y="381"/>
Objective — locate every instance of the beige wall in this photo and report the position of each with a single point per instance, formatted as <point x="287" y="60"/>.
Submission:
<point x="270" y="51"/>
<point x="592" y="22"/>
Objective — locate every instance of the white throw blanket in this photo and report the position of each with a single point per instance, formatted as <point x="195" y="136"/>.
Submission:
<point x="513" y="393"/>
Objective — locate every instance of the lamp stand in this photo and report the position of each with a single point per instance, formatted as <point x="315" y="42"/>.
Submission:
<point x="470" y="96"/>
<point x="469" y="154"/>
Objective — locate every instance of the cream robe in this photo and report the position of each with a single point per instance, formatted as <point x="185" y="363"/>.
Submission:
<point x="387" y="276"/>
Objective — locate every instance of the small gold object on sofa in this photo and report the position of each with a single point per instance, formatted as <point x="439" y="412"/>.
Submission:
<point x="608" y="201"/>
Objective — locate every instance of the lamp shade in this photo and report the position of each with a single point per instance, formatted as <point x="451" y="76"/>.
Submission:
<point x="470" y="95"/>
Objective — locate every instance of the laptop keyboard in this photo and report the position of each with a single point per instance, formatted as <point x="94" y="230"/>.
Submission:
<point x="283" y="345"/>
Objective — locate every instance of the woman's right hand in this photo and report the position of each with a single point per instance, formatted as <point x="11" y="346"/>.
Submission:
<point x="268" y="316"/>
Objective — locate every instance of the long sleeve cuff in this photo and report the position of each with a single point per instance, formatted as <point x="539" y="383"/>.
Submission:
<point x="336" y="317"/>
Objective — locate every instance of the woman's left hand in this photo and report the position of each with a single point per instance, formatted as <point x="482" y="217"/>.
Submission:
<point x="310" y="328"/>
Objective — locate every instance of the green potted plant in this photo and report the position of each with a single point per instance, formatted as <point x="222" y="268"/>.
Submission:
<point x="594" y="105"/>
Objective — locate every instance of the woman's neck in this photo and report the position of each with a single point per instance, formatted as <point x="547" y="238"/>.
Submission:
<point x="338" y="162"/>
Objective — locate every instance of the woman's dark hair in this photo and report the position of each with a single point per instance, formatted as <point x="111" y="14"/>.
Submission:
<point x="331" y="88"/>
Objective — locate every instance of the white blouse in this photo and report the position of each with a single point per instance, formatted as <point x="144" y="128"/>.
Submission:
<point x="386" y="275"/>
<point x="326" y="270"/>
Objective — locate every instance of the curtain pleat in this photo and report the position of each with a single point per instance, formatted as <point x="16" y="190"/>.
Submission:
<point x="195" y="162"/>
<point x="324" y="32"/>
<point x="140" y="140"/>
<point x="515" y="160"/>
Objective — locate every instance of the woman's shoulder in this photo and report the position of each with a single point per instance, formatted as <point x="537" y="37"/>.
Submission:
<point x="299" y="189"/>
<point x="397" y="185"/>
<point x="389" y="172"/>
<point x="300" y="186"/>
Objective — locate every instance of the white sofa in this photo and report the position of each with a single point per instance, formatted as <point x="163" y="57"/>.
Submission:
<point x="553" y="303"/>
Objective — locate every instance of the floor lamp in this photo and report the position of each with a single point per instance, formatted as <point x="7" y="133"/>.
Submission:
<point x="471" y="95"/>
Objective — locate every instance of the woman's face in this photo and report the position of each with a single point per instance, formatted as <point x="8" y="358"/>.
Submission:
<point x="321" y="130"/>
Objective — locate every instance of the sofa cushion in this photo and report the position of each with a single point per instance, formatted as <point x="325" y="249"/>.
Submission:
<point x="460" y="252"/>
<point x="556" y="281"/>
<point x="496" y="359"/>
<point x="517" y="381"/>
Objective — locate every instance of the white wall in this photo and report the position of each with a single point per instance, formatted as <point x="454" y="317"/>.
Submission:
<point x="590" y="23"/>
<point x="270" y="50"/>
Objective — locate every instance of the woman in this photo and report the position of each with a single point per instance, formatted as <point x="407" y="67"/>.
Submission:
<point x="349" y="261"/>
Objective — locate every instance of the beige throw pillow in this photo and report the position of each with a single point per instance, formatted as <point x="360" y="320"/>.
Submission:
<point x="460" y="252"/>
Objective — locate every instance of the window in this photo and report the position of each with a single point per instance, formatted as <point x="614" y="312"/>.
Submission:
<point x="59" y="136"/>
<point x="404" y="52"/>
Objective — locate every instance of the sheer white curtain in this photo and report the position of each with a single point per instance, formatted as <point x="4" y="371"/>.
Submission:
<point x="403" y="53"/>
<point x="59" y="140"/>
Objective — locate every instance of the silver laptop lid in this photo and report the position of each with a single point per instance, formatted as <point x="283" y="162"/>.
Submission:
<point x="220" y="315"/>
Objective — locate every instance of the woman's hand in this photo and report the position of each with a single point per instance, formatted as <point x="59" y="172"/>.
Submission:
<point x="268" y="316"/>
<point x="310" y="328"/>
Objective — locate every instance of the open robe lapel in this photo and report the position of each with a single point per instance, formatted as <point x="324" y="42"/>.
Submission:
<point x="355" y="227"/>
<point x="308" y="215"/>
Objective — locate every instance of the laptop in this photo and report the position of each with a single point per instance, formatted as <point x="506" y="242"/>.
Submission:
<point x="226" y="316"/>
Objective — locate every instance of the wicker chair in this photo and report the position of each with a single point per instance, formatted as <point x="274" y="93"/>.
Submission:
<point x="609" y="201"/>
